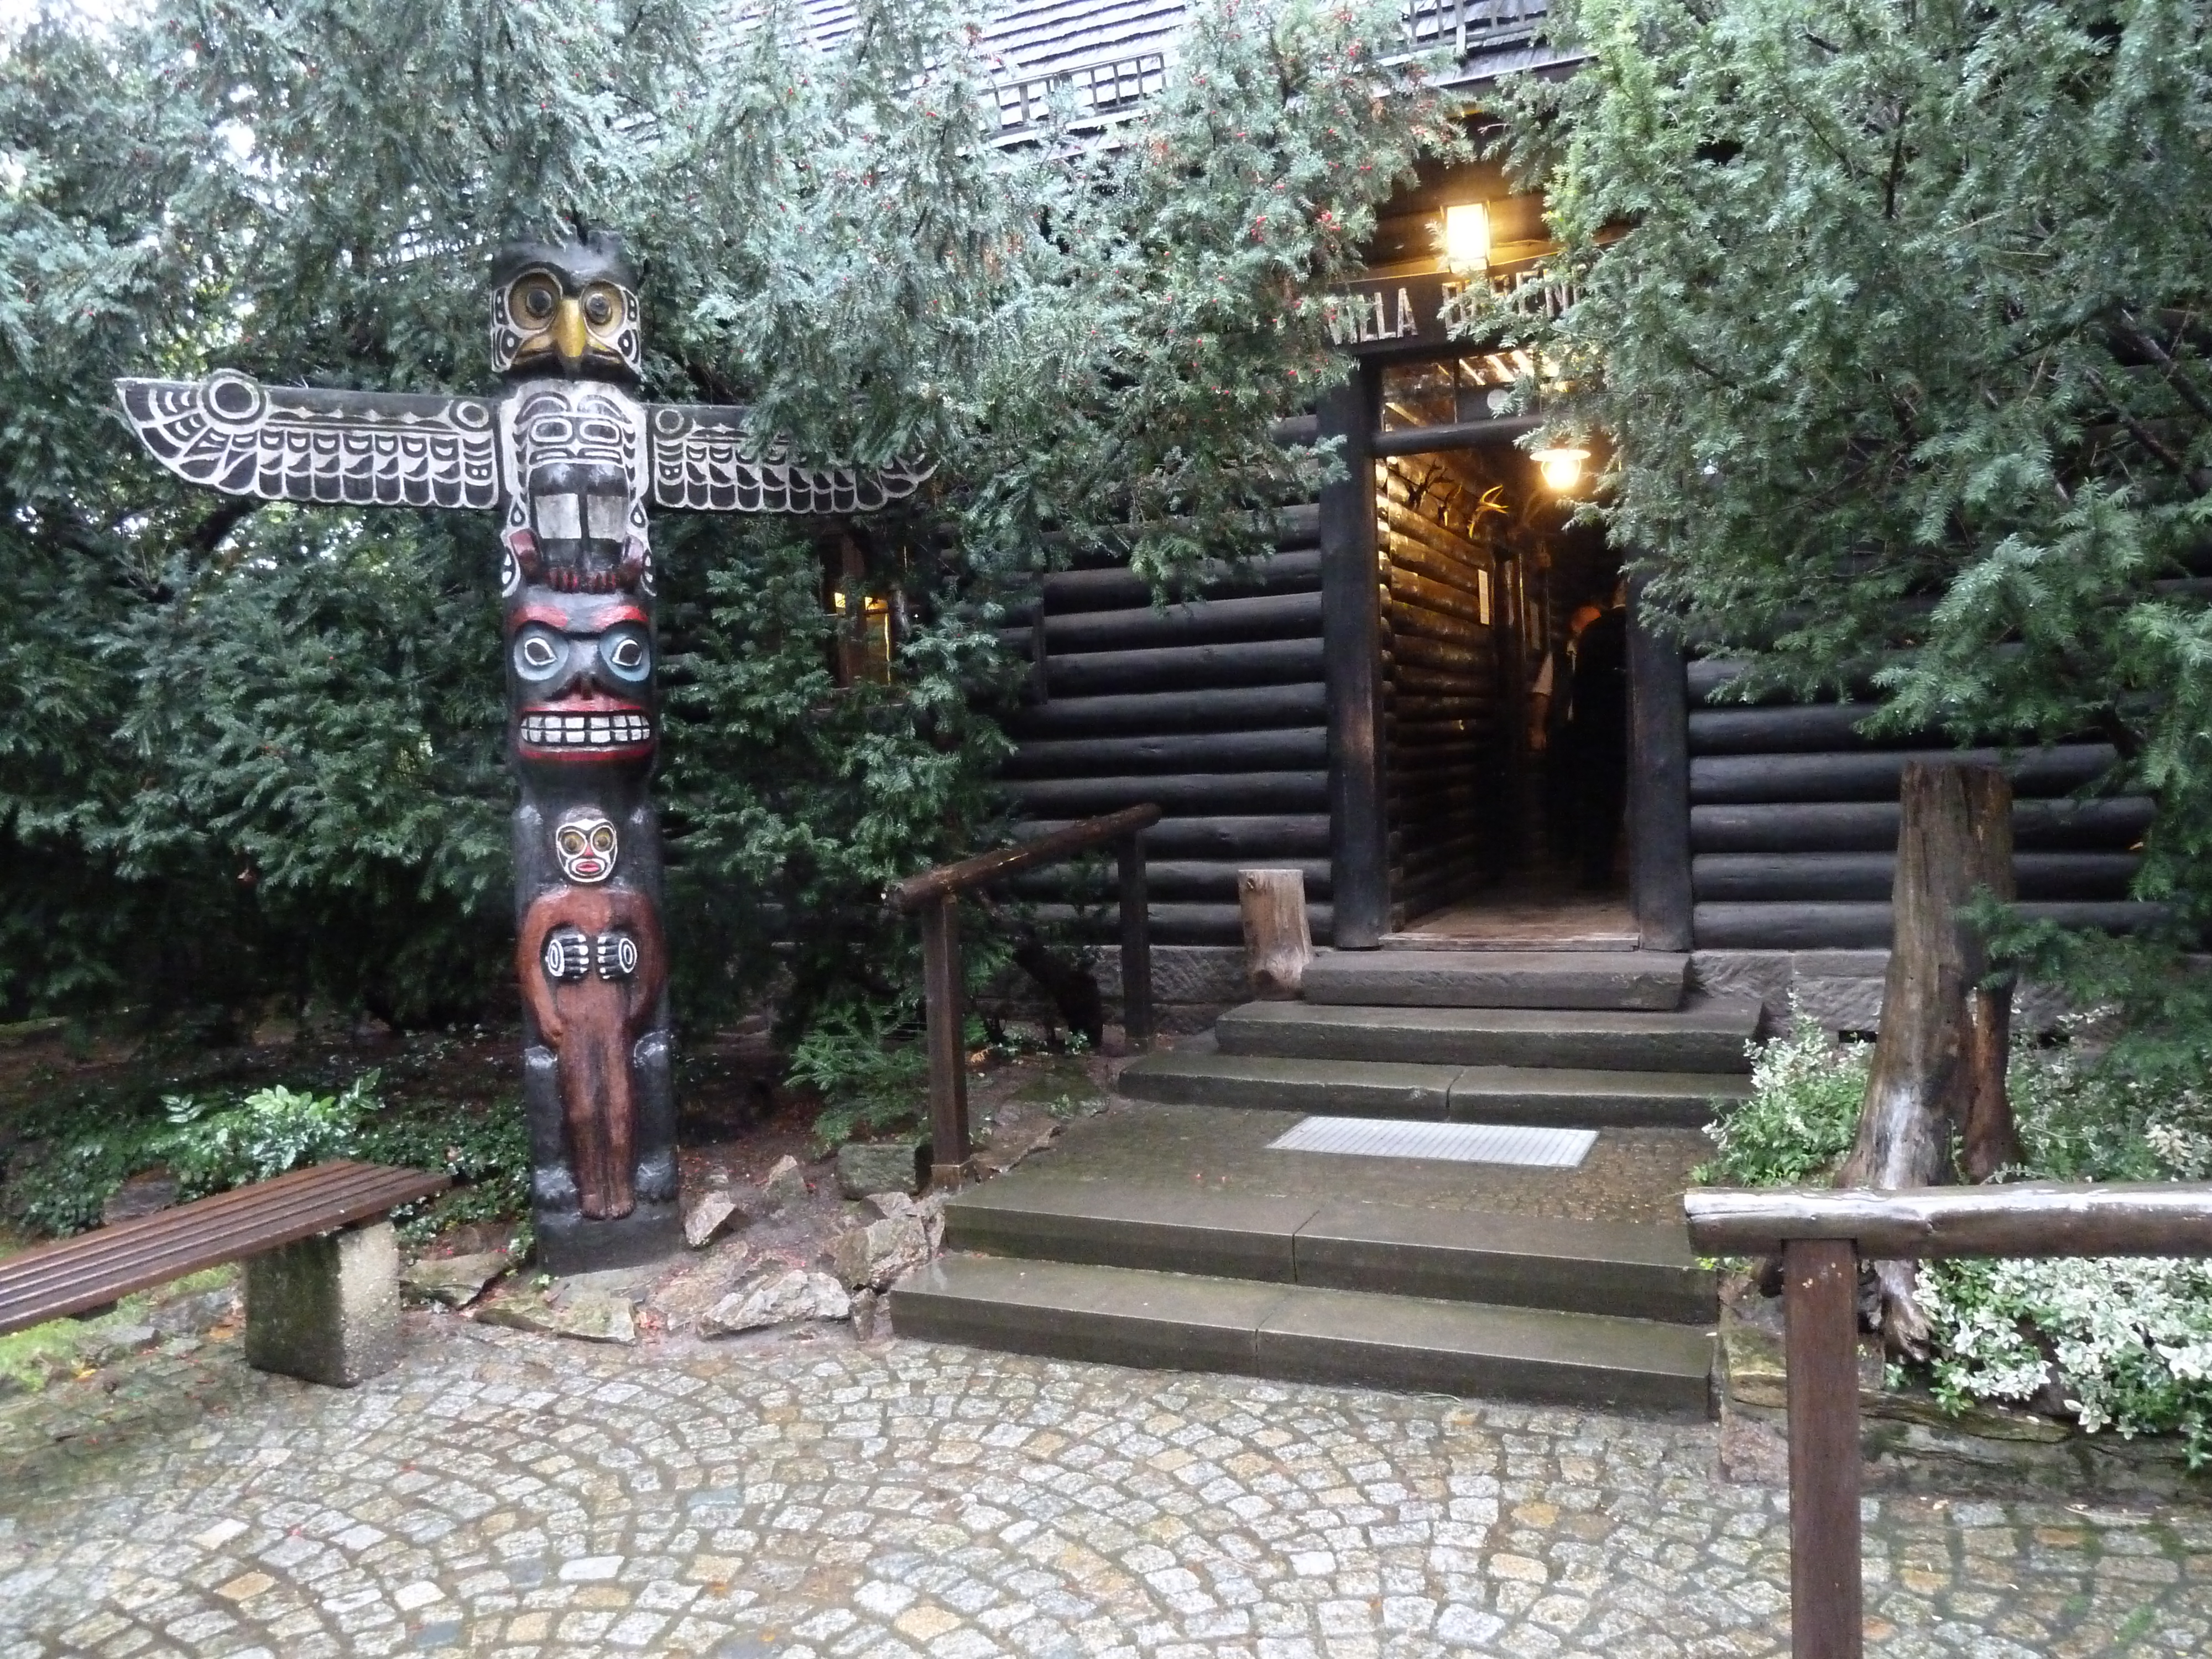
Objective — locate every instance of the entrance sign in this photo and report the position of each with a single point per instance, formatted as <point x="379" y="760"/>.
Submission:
<point x="570" y="460"/>
<point x="1374" y="313"/>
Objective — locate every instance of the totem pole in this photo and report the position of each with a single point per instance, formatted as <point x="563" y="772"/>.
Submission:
<point x="569" y="459"/>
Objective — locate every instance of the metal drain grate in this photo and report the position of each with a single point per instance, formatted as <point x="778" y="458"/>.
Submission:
<point x="1455" y="1143"/>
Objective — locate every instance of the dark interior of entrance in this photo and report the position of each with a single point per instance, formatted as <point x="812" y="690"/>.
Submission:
<point x="1505" y="647"/>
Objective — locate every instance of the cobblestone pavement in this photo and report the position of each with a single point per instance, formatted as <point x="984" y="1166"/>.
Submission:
<point x="511" y="1494"/>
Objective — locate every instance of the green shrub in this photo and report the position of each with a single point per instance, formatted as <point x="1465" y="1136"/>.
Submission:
<point x="871" y="1072"/>
<point x="1799" y="1118"/>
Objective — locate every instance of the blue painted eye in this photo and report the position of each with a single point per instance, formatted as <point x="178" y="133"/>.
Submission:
<point x="628" y="652"/>
<point x="539" y="652"/>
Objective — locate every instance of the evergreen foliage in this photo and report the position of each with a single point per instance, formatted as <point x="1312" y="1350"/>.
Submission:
<point x="250" y="750"/>
<point x="1895" y="314"/>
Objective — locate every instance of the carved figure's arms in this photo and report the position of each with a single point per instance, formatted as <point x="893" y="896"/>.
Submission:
<point x="706" y="460"/>
<point x="644" y="920"/>
<point x="541" y="918"/>
<point x="295" y="444"/>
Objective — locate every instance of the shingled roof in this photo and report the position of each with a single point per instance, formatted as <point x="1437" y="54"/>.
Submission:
<point x="1113" y="54"/>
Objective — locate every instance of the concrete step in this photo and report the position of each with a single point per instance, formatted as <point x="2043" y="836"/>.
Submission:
<point x="1563" y="1097"/>
<point x="1708" y="1035"/>
<point x="1625" y="1268"/>
<point x="1297" y="1332"/>
<point x="1650" y="980"/>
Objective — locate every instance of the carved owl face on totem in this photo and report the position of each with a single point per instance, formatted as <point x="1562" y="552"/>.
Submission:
<point x="568" y="308"/>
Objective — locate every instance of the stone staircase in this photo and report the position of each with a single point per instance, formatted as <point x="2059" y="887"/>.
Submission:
<point x="1169" y="1233"/>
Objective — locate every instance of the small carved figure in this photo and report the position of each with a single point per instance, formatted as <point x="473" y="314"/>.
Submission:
<point x="592" y="967"/>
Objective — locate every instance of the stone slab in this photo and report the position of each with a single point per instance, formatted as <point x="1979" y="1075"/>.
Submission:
<point x="1650" y="980"/>
<point x="1341" y="1088"/>
<point x="571" y="1244"/>
<point x="864" y="1167"/>
<point x="1129" y="1224"/>
<point x="1626" y="1269"/>
<point x="1352" y="1338"/>
<point x="1569" y="1097"/>
<point x="1707" y="1035"/>
<point x="326" y="1310"/>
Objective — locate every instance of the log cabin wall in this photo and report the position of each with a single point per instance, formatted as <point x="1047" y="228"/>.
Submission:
<point x="1793" y="822"/>
<point x="1214" y="707"/>
<point x="1440" y="704"/>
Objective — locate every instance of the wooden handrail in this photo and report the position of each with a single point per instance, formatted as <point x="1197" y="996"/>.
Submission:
<point x="936" y="895"/>
<point x="1822" y="1234"/>
<point x="984" y="868"/>
<point x="2023" y="1218"/>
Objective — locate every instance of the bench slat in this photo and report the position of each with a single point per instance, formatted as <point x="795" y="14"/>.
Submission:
<point x="72" y="1274"/>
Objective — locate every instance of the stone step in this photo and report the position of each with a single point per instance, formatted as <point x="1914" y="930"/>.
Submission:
<point x="1562" y="1096"/>
<point x="1649" y="980"/>
<point x="1307" y="1334"/>
<point x="1626" y="1269"/>
<point x="1708" y="1035"/>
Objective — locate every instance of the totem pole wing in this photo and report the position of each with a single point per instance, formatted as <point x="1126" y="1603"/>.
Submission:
<point x="705" y="459"/>
<point x="295" y="444"/>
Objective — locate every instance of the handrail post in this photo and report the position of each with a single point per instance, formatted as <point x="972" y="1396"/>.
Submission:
<point x="948" y="1059"/>
<point x="1821" y="1277"/>
<point x="1136" y="945"/>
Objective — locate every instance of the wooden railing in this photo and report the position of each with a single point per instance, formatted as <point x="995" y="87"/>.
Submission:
<point x="1822" y="1235"/>
<point x="935" y="894"/>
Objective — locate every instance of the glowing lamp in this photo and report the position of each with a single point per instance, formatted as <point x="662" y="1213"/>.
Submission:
<point x="1466" y="236"/>
<point x="1562" y="468"/>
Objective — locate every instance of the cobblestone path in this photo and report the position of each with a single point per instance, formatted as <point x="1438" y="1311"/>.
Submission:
<point x="510" y="1494"/>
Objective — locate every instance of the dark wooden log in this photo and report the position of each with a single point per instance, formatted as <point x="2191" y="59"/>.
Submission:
<point x="1171" y="924"/>
<point x="1873" y="775"/>
<point x="1198" y="793"/>
<point x="1866" y="877"/>
<point x="2016" y="1219"/>
<point x="1263" y="616"/>
<point x="1352" y="626"/>
<point x="944" y="1010"/>
<point x="1789" y="728"/>
<point x="1290" y="526"/>
<point x="1296" y="429"/>
<point x="1165" y="879"/>
<point x="1821" y="1306"/>
<point x="1658" y="786"/>
<point x="1117" y="587"/>
<point x="1871" y="826"/>
<point x="1284" y="748"/>
<point x="1411" y="678"/>
<point x="1061" y="842"/>
<point x="1410" y="587"/>
<point x="1454" y="434"/>
<point x="1401" y="524"/>
<point x="1409" y="555"/>
<point x="1241" y="839"/>
<point x="1233" y="708"/>
<point x="1175" y="668"/>
<point x="1278" y="946"/>
<point x="1136" y="944"/>
<point x="1930" y="1079"/>
<point x="1467" y="664"/>
<point x="1781" y="927"/>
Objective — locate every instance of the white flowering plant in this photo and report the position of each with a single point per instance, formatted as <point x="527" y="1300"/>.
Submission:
<point x="2125" y="1342"/>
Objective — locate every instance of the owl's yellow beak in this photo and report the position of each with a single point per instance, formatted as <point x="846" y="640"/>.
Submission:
<point x="568" y="338"/>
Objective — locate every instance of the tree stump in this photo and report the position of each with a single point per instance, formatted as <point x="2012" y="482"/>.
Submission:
<point x="1278" y="944"/>
<point x="1939" y="1064"/>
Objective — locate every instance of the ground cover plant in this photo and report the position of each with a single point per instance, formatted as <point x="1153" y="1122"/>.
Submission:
<point x="2119" y="1343"/>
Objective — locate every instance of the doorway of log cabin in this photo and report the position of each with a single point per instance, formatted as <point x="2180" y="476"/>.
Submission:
<point x="1506" y="710"/>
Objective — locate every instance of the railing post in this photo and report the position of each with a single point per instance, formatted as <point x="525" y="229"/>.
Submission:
<point x="1827" y="1605"/>
<point x="948" y="1059"/>
<point x="1136" y="945"/>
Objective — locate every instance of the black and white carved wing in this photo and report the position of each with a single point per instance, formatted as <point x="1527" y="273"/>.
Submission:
<point x="291" y="444"/>
<point x="705" y="461"/>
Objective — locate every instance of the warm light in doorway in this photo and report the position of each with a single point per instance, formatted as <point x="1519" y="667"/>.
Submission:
<point x="1562" y="468"/>
<point x="1466" y="236"/>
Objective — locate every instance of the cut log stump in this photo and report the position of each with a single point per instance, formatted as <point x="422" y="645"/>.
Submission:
<point x="1278" y="944"/>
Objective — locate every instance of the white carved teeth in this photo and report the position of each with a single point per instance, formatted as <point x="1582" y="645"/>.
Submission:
<point x="587" y="731"/>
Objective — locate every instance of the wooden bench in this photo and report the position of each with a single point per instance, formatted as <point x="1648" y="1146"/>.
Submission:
<point x="322" y="1266"/>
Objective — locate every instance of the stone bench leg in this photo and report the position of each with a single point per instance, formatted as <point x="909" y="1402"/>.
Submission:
<point x="327" y="1309"/>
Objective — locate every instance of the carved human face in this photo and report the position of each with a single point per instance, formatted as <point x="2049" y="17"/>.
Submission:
<point x="587" y="845"/>
<point x="581" y="669"/>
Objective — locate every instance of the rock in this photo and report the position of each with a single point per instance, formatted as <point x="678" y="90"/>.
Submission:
<point x="879" y="1166"/>
<point x="710" y="1217"/>
<point x="931" y="1213"/>
<point x="881" y="1206"/>
<point x="776" y="1299"/>
<point x="865" y="1307"/>
<point x="275" y="1032"/>
<point x="455" y="1281"/>
<point x="195" y="1314"/>
<point x="586" y="1317"/>
<point x="785" y="1184"/>
<point x="369" y="1029"/>
<point x="108" y="1344"/>
<point x="142" y="1194"/>
<point x="1015" y="1139"/>
<point x="876" y="1255"/>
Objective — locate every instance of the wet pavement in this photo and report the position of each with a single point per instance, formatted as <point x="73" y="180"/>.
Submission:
<point x="508" y="1493"/>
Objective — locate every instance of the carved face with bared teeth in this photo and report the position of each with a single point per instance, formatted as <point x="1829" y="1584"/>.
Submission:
<point x="581" y="669"/>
